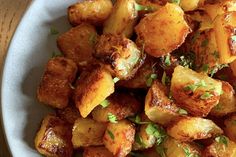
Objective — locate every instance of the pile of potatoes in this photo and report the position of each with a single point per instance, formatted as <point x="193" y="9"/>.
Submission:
<point x="142" y="78"/>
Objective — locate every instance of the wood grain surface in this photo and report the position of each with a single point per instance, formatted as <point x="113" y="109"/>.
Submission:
<point x="11" y="12"/>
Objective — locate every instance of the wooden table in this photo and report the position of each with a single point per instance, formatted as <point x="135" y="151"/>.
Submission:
<point x="11" y="12"/>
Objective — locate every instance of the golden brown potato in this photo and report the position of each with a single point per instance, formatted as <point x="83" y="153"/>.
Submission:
<point x="233" y="67"/>
<point x="188" y="5"/>
<point x="96" y="152"/>
<point x="87" y="132"/>
<point x="175" y="148"/>
<point x="195" y="92"/>
<point x="119" y="138"/>
<point x="170" y="37"/>
<point x="121" y="105"/>
<point x="142" y="77"/>
<point x="230" y="127"/>
<point x="221" y="147"/>
<point x="55" y="86"/>
<point x="120" y="55"/>
<point x="54" y="138"/>
<point x="91" y="11"/>
<point x="219" y="8"/>
<point x="78" y="43"/>
<point x="224" y="26"/>
<point x="158" y="107"/>
<point x="192" y="128"/>
<point x="92" y="88"/>
<point x="122" y="19"/>
<point x="203" y="18"/>
<point x="69" y="114"/>
<point x="227" y="103"/>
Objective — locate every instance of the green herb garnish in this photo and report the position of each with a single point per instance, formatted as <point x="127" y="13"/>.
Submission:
<point x="111" y="134"/>
<point x="150" y="79"/>
<point x="56" y="54"/>
<point x="175" y="1"/>
<point x="115" y="79"/>
<point x="204" y="43"/>
<point x="206" y="95"/>
<point x="222" y="139"/>
<point x="193" y="87"/>
<point x="182" y="111"/>
<point x="53" y="31"/>
<point x="216" y="54"/>
<point x="167" y="60"/>
<point x="112" y="118"/>
<point x="156" y="131"/>
<point x="105" y="103"/>
<point x="233" y="38"/>
<point x="205" y="67"/>
<point x="165" y="79"/>
<point x="139" y="140"/>
<point x="196" y="35"/>
<point x="93" y="38"/>
<point x="139" y="7"/>
<point x="137" y="120"/>
<point x="161" y="150"/>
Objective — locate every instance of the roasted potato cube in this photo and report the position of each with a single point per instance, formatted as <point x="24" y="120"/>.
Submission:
<point x="227" y="103"/>
<point x="158" y="107"/>
<point x="219" y="8"/>
<point x="96" y="152"/>
<point x="192" y="128"/>
<point x="53" y="138"/>
<point x="93" y="87"/>
<point x="233" y="67"/>
<point x="230" y="127"/>
<point x="122" y="19"/>
<point x="119" y="138"/>
<point x="221" y="147"/>
<point x="188" y="5"/>
<point x="120" y="55"/>
<point x="150" y="30"/>
<point x="55" y="86"/>
<point x="175" y="148"/>
<point x="121" y="105"/>
<point x="224" y="26"/>
<point x="69" y="114"/>
<point x="195" y="92"/>
<point x="204" y="19"/>
<point x="91" y="11"/>
<point x="87" y="132"/>
<point x="78" y="43"/>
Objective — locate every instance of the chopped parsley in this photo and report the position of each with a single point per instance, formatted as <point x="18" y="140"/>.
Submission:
<point x="233" y="38"/>
<point x="92" y="38"/>
<point x="156" y="131"/>
<point x="188" y="152"/>
<point x="217" y="67"/>
<point x="175" y="1"/>
<point x="150" y="79"/>
<point x="167" y="60"/>
<point x="115" y="79"/>
<point x="53" y="31"/>
<point x="105" y="103"/>
<point x="182" y="111"/>
<point x="112" y="118"/>
<point x="206" y="95"/>
<point x="218" y="107"/>
<point x="56" y="54"/>
<point x="222" y="139"/>
<point x="137" y="120"/>
<point x="187" y="60"/>
<point x="161" y="150"/>
<point x="216" y="54"/>
<point x="111" y="134"/>
<point x="139" y="7"/>
<point x="193" y="87"/>
<point x="139" y="140"/>
<point x="205" y="67"/>
<point x="204" y="43"/>
<point x="165" y="79"/>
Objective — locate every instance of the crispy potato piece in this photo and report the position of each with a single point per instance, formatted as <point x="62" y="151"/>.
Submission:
<point x="195" y="92"/>
<point x="220" y="148"/>
<point x="158" y="107"/>
<point x="78" y="43"/>
<point x="55" y="86"/>
<point x="224" y="26"/>
<point x="122" y="105"/>
<point x="203" y="18"/>
<point x="230" y="127"/>
<point x="120" y="55"/>
<point x="53" y="138"/>
<point x="219" y="8"/>
<point x="69" y="114"/>
<point x="87" y="132"/>
<point x="96" y="152"/>
<point x="93" y="87"/>
<point x="91" y="11"/>
<point x="150" y="30"/>
<point x="122" y="19"/>
<point x="193" y="128"/>
<point x="188" y="5"/>
<point x="227" y="103"/>
<point x="233" y="67"/>
<point x="175" y="148"/>
<point x="119" y="138"/>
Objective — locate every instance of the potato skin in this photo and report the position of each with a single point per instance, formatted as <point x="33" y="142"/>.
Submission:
<point x="192" y="128"/>
<point x="87" y="132"/>
<point x="92" y="88"/>
<point x="122" y="19"/>
<point x="233" y="67"/>
<point x="158" y="107"/>
<point x="227" y="103"/>
<point x="123" y="137"/>
<point x="230" y="127"/>
<point x="53" y="138"/>
<point x="96" y="152"/>
<point x="90" y="11"/>
<point x="187" y="5"/>
<point x="78" y="43"/>
<point x="69" y="114"/>
<point x="217" y="149"/>
<point x="192" y="101"/>
<point x="120" y="55"/>
<point x="55" y="86"/>
<point x="122" y="105"/>
<point x="150" y="29"/>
